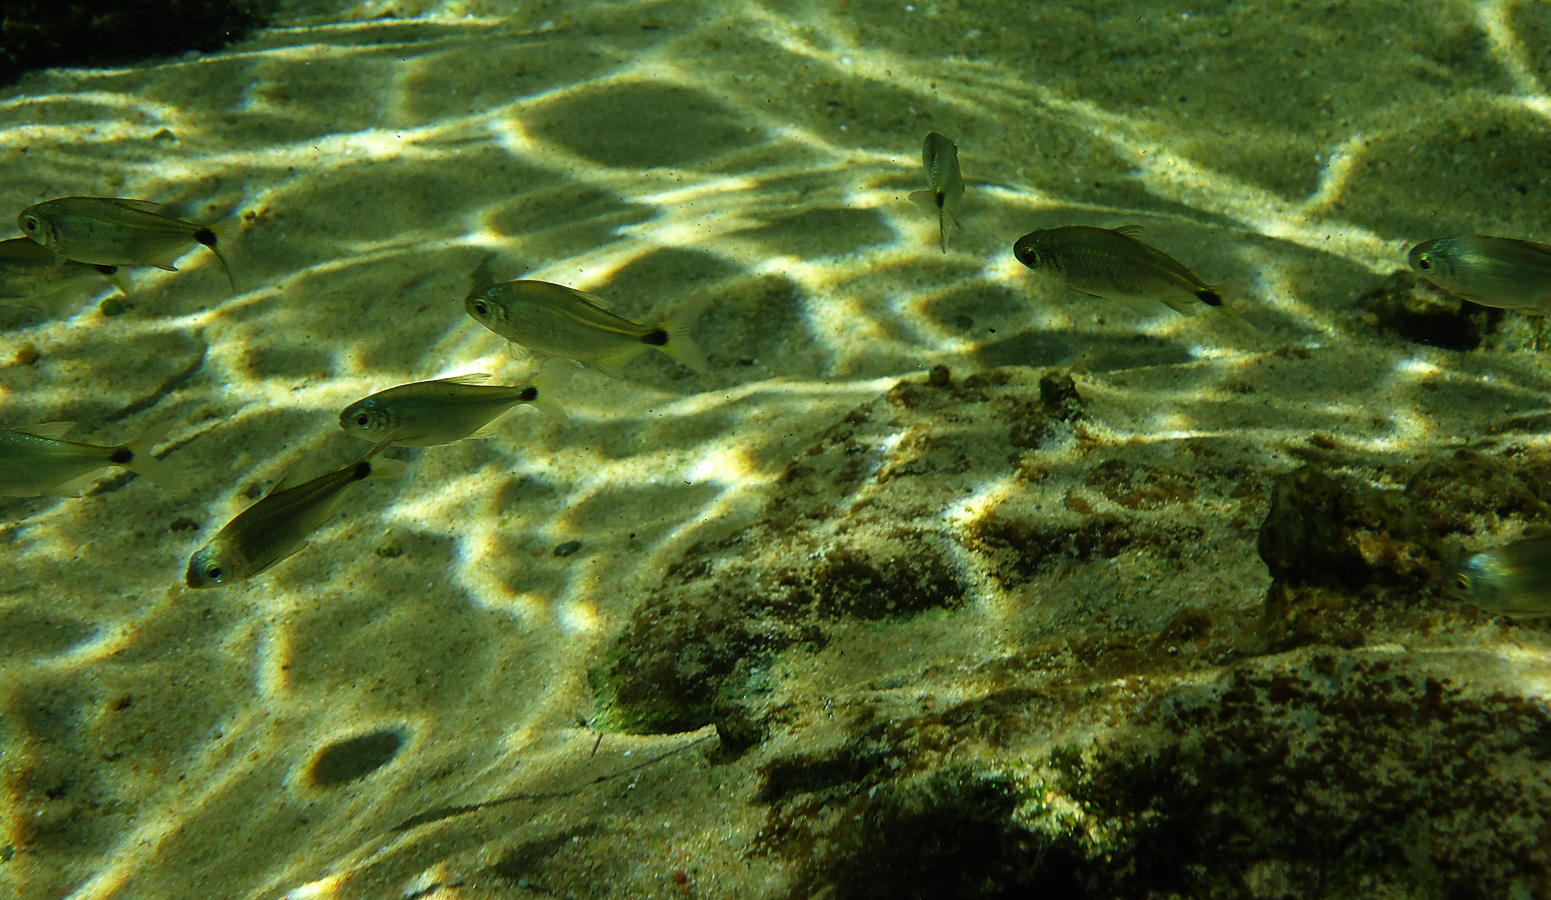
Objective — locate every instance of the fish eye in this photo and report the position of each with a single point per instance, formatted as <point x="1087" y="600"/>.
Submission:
<point x="30" y="225"/>
<point x="214" y="573"/>
<point x="362" y="419"/>
<point x="481" y="308"/>
<point x="1424" y="261"/>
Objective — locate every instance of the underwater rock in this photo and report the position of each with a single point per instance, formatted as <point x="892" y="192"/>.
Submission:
<point x="43" y="34"/>
<point x="1423" y="314"/>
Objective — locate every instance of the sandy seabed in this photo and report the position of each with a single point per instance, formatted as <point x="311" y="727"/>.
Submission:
<point x="1120" y="604"/>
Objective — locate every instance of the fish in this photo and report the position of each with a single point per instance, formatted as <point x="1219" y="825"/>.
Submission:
<point x="1513" y="580"/>
<point x="940" y="157"/>
<point x="553" y="320"/>
<point x="112" y="231"/>
<point x="34" y="281"/>
<point x="428" y="413"/>
<point x="1500" y="272"/>
<point x="278" y="525"/>
<point x="1111" y="263"/>
<point x="37" y="460"/>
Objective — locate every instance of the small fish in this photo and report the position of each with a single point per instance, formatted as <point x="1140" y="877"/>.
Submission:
<point x="1111" y="263"/>
<point x="110" y="231"/>
<point x="36" y="460"/>
<point x="1510" y="581"/>
<point x="1505" y="273"/>
<point x="941" y="159"/>
<point x="427" y="413"/>
<point x="32" y="279"/>
<point x="279" y="524"/>
<point x="556" y="321"/>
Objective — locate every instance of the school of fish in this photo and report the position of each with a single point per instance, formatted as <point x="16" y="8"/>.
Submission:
<point x="69" y="242"/>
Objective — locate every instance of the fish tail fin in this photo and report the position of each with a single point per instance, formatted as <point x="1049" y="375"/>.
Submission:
<point x="1220" y="295"/>
<point x="382" y="468"/>
<point x="142" y="462"/>
<point x="207" y="236"/>
<point x="551" y="410"/>
<point x="678" y="343"/>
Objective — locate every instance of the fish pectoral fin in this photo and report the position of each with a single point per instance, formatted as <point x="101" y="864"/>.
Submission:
<point x="470" y="378"/>
<point x="1129" y="230"/>
<point x="50" y="430"/>
<point x="927" y="199"/>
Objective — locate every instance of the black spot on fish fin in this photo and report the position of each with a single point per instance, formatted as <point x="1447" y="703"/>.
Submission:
<point x="206" y="236"/>
<point x="1209" y="296"/>
<point x="655" y="338"/>
<point x="529" y="394"/>
<point x="123" y="456"/>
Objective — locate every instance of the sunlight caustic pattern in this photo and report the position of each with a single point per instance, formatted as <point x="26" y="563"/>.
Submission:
<point x="756" y="153"/>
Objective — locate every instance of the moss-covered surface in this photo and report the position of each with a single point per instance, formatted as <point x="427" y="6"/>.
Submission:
<point x="42" y="33"/>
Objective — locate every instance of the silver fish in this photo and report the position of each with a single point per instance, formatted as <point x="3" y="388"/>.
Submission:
<point x="940" y="157"/>
<point x="112" y="231"/>
<point x="427" y="413"/>
<point x="1111" y="263"/>
<point x="1514" y="580"/>
<point x="1506" y="273"/>
<point x="556" y="321"/>
<point x="279" y="524"/>
<point x="36" y="460"/>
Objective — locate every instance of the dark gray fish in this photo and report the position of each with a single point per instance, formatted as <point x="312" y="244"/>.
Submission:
<point x="1111" y="263"/>
<point x="279" y="524"/>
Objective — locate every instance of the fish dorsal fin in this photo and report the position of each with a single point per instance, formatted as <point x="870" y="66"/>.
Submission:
<point x="51" y="430"/>
<point x="1129" y="230"/>
<point x="146" y="206"/>
<point x="594" y="299"/>
<point x="470" y="378"/>
<point x="289" y="480"/>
